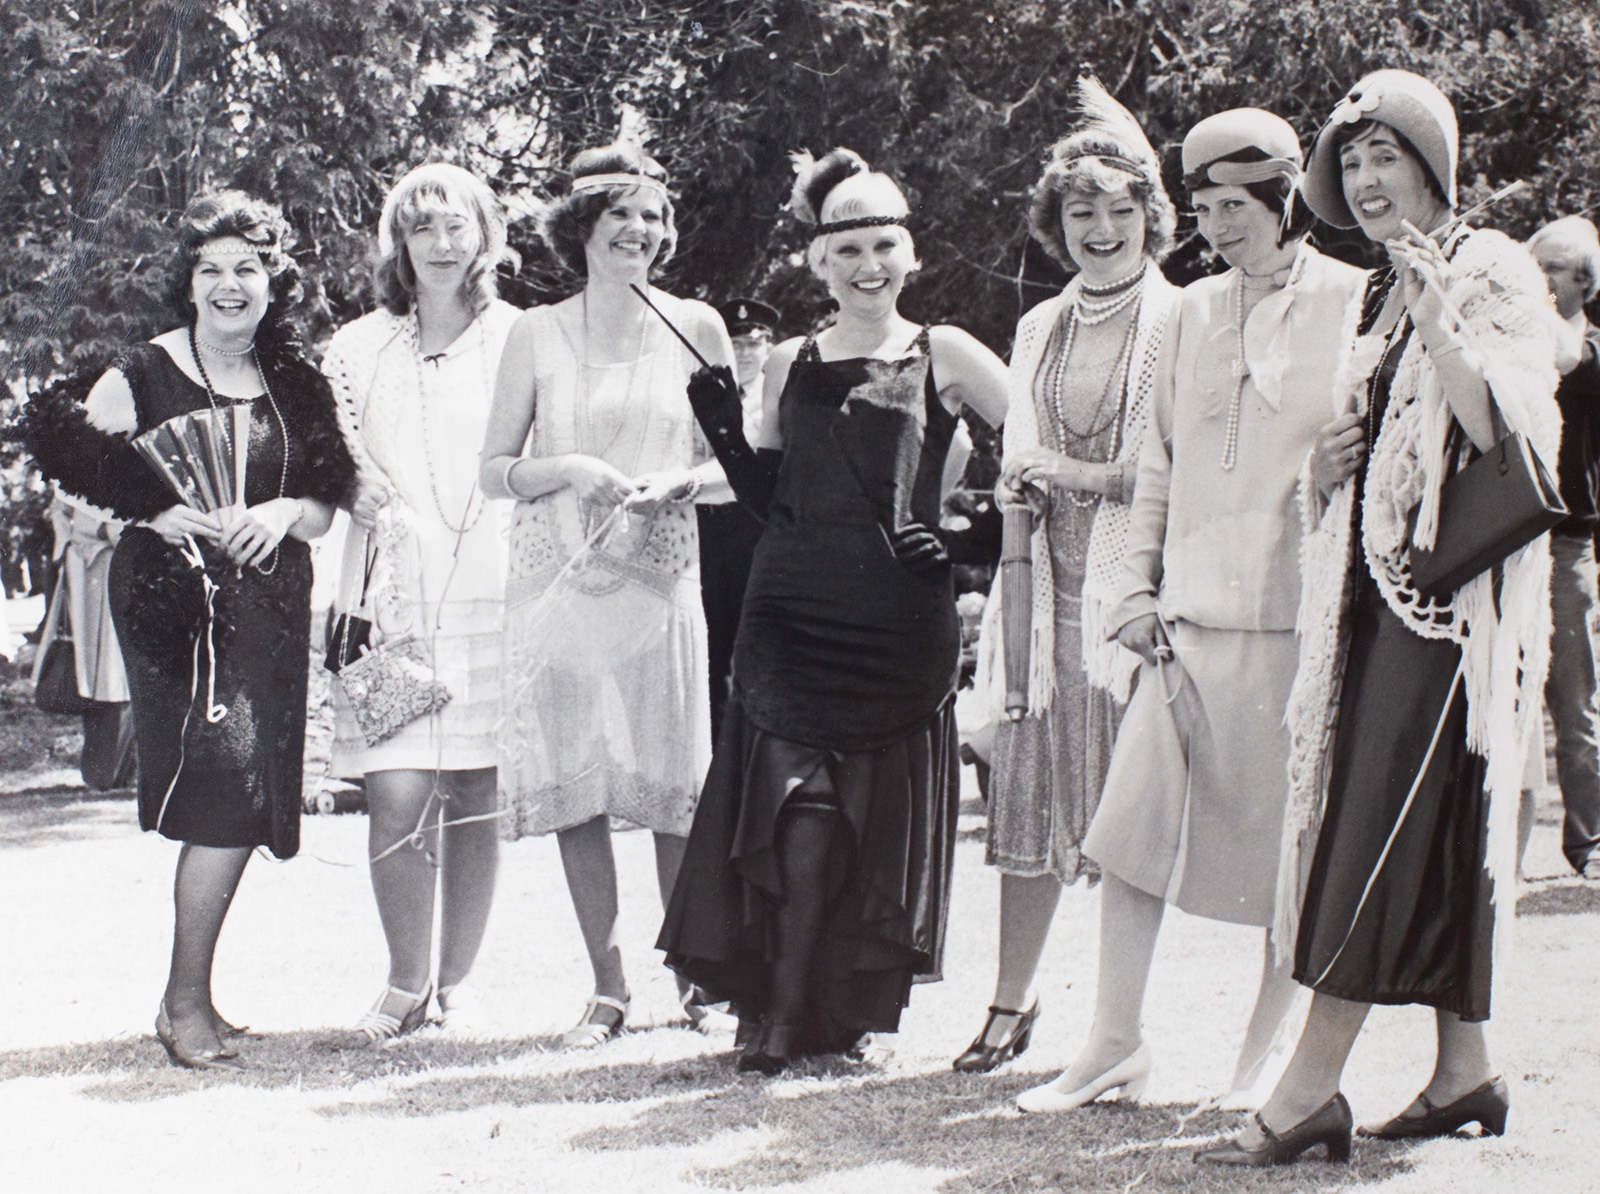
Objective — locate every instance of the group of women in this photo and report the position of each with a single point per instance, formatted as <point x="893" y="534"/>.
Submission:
<point x="1208" y="470"/>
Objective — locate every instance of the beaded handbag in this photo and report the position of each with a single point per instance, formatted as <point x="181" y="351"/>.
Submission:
<point x="391" y="685"/>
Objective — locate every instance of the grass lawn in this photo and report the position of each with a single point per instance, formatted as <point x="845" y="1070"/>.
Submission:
<point x="89" y="1102"/>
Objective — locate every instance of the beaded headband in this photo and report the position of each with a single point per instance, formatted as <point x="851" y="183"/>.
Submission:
<point x="612" y="182"/>
<point x="228" y="245"/>
<point x="1115" y="161"/>
<point x="855" y="222"/>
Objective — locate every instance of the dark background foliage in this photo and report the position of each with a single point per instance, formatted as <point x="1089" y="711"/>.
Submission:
<point x="116" y="112"/>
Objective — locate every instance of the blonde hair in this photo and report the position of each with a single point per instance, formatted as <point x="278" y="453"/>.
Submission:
<point x="868" y="193"/>
<point x="1575" y="239"/>
<point x="439" y="184"/>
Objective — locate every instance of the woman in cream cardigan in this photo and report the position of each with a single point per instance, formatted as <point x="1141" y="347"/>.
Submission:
<point x="1194" y="798"/>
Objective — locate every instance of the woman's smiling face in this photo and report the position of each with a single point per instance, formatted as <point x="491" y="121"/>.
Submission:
<point x="1387" y="186"/>
<point x="1239" y="226"/>
<point x="628" y="233"/>
<point x="867" y="267"/>
<point x="230" y="291"/>
<point x="1104" y="231"/>
<point x="442" y="242"/>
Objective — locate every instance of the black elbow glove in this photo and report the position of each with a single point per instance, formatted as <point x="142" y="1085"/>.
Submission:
<point x="918" y="547"/>
<point x="714" y="395"/>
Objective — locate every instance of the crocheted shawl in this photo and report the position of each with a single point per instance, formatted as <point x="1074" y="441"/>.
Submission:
<point x="1500" y="293"/>
<point x="1107" y="664"/>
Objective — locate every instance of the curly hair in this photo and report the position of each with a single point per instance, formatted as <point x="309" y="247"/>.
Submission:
<point x="1272" y="193"/>
<point x="439" y="184"/>
<point x="1072" y="168"/>
<point x="219" y="214"/>
<point x="570" y="220"/>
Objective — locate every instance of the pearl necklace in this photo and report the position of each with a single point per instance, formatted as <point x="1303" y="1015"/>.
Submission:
<point x="283" y="430"/>
<point x="469" y="519"/>
<point x="1054" y="381"/>
<point x="1096" y="304"/>
<point x="1241" y="369"/>
<point x="221" y="352"/>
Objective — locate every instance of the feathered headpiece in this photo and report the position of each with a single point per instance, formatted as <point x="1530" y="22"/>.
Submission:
<point x="1107" y="132"/>
<point x="815" y="179"/>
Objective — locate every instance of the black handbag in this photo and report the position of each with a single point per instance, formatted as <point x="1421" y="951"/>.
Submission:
<point x="1497" y="504"/>
<point x="351" y="635"/>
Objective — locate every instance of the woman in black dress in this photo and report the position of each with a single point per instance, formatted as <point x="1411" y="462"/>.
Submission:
<point x="1427" y="700"/>
<point x="816" y="879"/>
<point x="214" y="619"/>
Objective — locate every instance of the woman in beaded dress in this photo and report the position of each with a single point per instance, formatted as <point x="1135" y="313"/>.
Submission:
<point x="1410" y="715"/>
<point x="214" y="620"/>
<point x="1194" y="798"/>
<point x="1080" y="382"/>
<point x="414" y="380"/>
<point x="816" y="882"/>
<point x="607" y="706"/>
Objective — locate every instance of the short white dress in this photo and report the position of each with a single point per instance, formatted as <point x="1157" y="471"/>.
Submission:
<point x="417" y="423"/>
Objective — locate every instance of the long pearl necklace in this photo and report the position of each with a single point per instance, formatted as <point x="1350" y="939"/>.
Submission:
<point x="468" y="519"/>
<point x="585" y="366"/>
<point x="283" y="430"/>
<point x="1116" y="387"/>
<point x="1096" y="304"/>
<point x="1241" y="369"/>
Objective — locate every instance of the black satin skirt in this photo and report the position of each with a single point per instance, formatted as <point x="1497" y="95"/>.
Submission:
<point x="1398" y="905"/>
<point x="888" y="887"/>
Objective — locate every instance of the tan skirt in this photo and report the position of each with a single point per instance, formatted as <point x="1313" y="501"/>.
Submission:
<point x="1193" y="803"/>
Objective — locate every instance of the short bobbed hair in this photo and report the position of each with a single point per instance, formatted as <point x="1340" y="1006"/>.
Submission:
<point x="1578" y="244"/>
<point x="1349" y="134"/>
<point x="1073" y="170"/>
<point x="228" y="214"/>
<point x="432" y="186"/>
<point x="569" y="221"/>
<point x="1273" y="192"/>
<point x="869" y="193"/>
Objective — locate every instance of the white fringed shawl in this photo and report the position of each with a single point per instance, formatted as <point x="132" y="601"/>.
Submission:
<point x="1500" y="293"/>
<point x="1107" y="664"/>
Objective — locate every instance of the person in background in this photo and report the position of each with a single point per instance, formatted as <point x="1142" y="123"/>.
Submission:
<point x="728" y="531"/>
<point x="1568" y="250"/>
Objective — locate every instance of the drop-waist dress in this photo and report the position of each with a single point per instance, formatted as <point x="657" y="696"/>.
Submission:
<point x="844" y="671"/>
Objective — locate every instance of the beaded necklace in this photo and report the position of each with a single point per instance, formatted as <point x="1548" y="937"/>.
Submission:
<point x="588" y="392"/>
<point x="1096" y="304"/>
<point x="1241" y="370"/>
<point x="468" y="519"/>
<point x="226" y="352"/>
<point x="283" y="430"/>
<point x="1054" y="382"/>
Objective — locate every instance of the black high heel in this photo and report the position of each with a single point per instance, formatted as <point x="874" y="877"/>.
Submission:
<point x="770" y="1050"/>
<point x="189" y="1059"/>
<point x="1328" y="1125"/>
<point x="1485" y="1105"/>
<point x="982" y="1057"/>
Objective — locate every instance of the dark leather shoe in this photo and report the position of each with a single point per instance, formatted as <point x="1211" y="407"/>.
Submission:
<point x="982" y="1057"/>
<point x="191" y="1059"/>
<point x="1485" y="1105"/>
<point x="771" y="1049"/>
<point x="1328" y="1125"/>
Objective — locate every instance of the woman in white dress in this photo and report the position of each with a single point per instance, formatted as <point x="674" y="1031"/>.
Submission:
<point x="607" y="705"/>
<point x="414" y="381"/>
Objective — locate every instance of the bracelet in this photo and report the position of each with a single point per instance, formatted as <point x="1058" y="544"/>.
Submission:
<point x="696" y="484"/>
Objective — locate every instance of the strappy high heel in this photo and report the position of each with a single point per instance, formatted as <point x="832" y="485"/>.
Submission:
<point x="981" y="1057"/>
<point x="378" y="1025"/>
<point x="591" y="1031"/>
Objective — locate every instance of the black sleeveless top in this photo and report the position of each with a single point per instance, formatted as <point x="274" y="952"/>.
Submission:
<point x="840" y="645"/>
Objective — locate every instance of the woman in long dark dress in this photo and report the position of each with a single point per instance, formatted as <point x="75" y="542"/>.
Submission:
<point x="214" y="619"/>
<point x="1428" y="700"/>
<point x="816" y="879"/>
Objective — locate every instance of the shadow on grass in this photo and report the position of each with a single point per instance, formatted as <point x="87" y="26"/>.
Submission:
<point x="58" y="815"/>
<point x="824" y="1118"/>
<point x="1573" y="898"/>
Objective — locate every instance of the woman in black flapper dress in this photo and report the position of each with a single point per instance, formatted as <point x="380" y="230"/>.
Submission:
<point x="816" y="881"/>
<point x="214" y="617"/>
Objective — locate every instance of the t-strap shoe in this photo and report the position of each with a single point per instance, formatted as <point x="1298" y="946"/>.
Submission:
<point x="597" y="1027"/>
<point x="1486" y="1105"/>
<point x="981" y="1057"/>
<point x="1328" y="1125"/>
<point x="380" y="1024"/>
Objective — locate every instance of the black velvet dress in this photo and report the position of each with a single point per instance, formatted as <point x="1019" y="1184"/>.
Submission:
<point x="1397" y="907"/>
<point x="233" y="781"/>
<point x="844" y="671"/>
